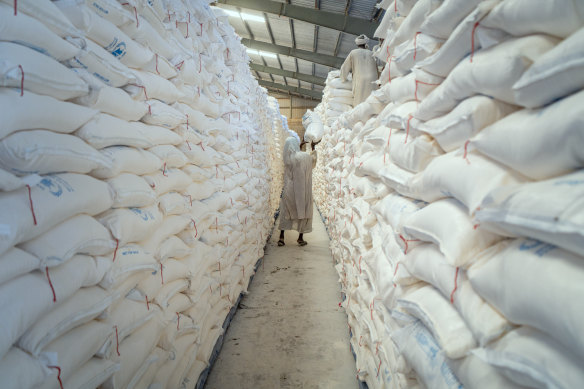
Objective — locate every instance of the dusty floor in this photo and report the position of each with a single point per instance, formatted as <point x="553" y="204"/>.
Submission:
<point x="289" y="331"/>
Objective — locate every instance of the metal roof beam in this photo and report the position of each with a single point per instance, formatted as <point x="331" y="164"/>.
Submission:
<point x="301" y="91"/>
<point x="336" y="21"/>
<point x="285" y="73"/>
<point x="323" y="59"/>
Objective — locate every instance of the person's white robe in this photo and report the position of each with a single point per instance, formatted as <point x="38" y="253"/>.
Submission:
<point x="296" y="203"/>
<point x="361" y="63"/>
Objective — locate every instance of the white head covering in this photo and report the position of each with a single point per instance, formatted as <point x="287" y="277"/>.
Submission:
<point x="291" y="147"/>
<point x="361" y="40"/>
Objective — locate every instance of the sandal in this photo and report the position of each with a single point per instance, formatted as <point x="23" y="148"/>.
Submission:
<point x="302" y="242"/>
<point x="281" y="243"/>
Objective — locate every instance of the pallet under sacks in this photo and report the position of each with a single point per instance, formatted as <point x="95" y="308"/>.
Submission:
<point x="140" y="171"/>
<point x="453" y="194"/>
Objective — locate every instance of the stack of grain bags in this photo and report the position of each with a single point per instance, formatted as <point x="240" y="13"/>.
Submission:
<point x="455" y="213"/>
<point x="136" y="156"/>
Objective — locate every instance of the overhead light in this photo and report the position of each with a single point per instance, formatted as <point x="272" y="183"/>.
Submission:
<point x="261" y="53"/>
<point x="244" y="16"/>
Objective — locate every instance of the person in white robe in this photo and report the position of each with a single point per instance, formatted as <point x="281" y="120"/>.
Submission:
<point x="363" y="66"/>
<point x="296" y="203"/>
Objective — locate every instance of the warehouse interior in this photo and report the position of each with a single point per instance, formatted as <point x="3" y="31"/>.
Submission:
<point x="291" y="194"/>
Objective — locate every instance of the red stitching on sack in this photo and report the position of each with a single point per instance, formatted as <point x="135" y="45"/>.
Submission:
<point x="51" y="284"/>
<point x="164" y="170"/>
<point x="406" y="243"/>
<point x="416" y="90"/>
<point x="476" y="226"/>
<point x="360" y="338"/>
<point x="360" y="258"/>
<point x="378" y="368"/>
<point x="187" y="31"/>
<point x="201" y="144"/>
<point x="180" y="65"/>
<point x="189" y="13"/>
<point x="136" y="14"/>
<point x="156" y="57"/>
<point x="195" y="224"/>
<point x="465" y="157"/>
<point x="161" y="275"/>
<point x="201" y="28"/>
<point x="455" y="286"/>
<point x="397" y="266"/>
<point x="117" y="341"/>
<point x="147" y="303"/>
<point x="472" y="43"/>
<point x="58" y="374"/>
<point x="408" y="131"/>
<point x="200" y="66"/>
<point x="116" y="250"/>
<point x="187" y="115"/>
<point x="31" y="205"/>
<point x="15" y="8"/>
<point x="191" y="200"/>
<point x="21" y="80"/>
<point x="143" y="88"/>
<point x="177" y="321"/>
<point x="415" y="44"/>
<point x="395" y="8"/>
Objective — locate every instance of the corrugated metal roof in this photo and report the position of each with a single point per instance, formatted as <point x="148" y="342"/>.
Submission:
<point x="328" y="41"/>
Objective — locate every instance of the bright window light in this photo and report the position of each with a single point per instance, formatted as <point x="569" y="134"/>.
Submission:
<point x="252" y="18"/>
<point x="244" y="16"/>
<point x="262" y="53"/>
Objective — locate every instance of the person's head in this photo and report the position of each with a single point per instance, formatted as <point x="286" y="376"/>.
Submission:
<point x="361" y="41"/>
<point x="291" y="147"/>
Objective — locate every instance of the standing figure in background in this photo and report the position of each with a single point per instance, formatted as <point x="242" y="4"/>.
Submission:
<point x="296" y="203"/>
<point x="361" y="63"/>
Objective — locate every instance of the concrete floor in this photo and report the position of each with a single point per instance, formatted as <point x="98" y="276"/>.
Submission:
<point x="289" y="331"/>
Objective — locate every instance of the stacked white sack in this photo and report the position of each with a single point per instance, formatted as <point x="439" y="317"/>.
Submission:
<point x="136" y="190"/>
<point x="452" y="206"/>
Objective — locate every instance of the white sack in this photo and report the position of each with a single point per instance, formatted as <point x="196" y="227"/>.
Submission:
<point x="556" y="74"/>
<point x="38" y="73"/>
<point x="550" y="211"/>
<point x="92" y="374"/>
<point x="492" y="72"/>
<point x="54" y="199"/>
<point x="531" y="359"/>
<point x="469" y="180"/>
<point x="131" y="190"/>
<point x="541" y="143"/>
<point x="131" y="224"/>
<point x="30" y="32"/>
<point x="26" y="298"/>
<point x="102" y="65"/>
<point x="440" y="318"/>
<point x="447" y="224"/>
<point x="16" y="262"/>
<point x="82" y="307"/>
<point x="20" y="370"/>
<point x="45" y="152"/>
<point x="468" y="118"/>
<point x="459" y="44"/>
<point x="69" y="352"/>
<point x="446" y="17"/>
<point x="421" y="351"/>
<point x="31" y="111"/>
<point x="128" y="160"/>
<point x="110" y="100"/>
<point x="161" y="114"/>
<point x="524" y="17"/>
<point x="106" y="34"/>
<point x="510" y="277"/>
<point x="428" y="264"/>
<point x="81" y="234"/>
